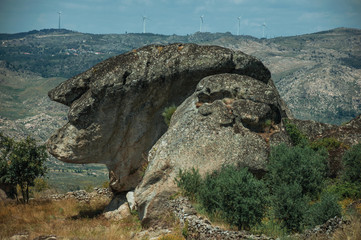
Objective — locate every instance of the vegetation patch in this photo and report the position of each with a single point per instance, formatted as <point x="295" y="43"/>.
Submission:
<point x="21" y="162"/>
<point x="234" y="193"/>
<point x="168" y="113"/>
<point x="297" y="137"/>
<point x="291" y="197"/>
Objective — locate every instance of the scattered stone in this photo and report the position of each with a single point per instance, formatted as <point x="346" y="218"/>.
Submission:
<point x="121" y="213"/>
<point x="82" y="195"/>
<point x="46" y="237"/>
<point x="117" y="201"/>
<point x="20" y="236"/>
<point x="326" y="229"/>
<point x="131" y="200"/>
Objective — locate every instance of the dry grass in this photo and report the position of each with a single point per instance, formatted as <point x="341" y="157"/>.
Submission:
<point x="67" y="218"/>
<point x="350" y="232"/>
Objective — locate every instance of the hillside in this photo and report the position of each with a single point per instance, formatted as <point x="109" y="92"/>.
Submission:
<point x="318" y="75"/>
<point x="27" y="110"/>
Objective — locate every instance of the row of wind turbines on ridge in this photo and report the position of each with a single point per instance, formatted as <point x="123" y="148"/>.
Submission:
<point x="264" y="26"/>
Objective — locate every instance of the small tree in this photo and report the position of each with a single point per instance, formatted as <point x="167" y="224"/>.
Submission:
<point x="21" y="163"/>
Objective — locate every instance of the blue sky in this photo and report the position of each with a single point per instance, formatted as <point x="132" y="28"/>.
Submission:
<point x="282" y="17"/>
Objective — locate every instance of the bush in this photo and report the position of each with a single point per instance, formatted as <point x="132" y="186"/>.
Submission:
<point x="237" y="194"/>
<point x="345" y="190"/>
<point x="289" y="205"/>
<point x="296" y="175"/>
<point x="352" y="164"/>
<point x="168" y="113"/>
<point x="189" y="182"/>
<point x="323" y="210"/>
<point x="299" y="165"/>
<point x="331" y="144"/>
<point x="297" y="137"/>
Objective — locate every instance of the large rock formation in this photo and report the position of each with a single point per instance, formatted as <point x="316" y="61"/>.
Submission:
<point x="115" y="107"/>
<point x="230" y="119"/>
<point x="230" y="113"/>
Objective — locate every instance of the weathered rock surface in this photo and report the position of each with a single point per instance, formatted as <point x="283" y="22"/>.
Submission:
<point x="115" y="107"/>
<point x="348" y="133"/>
<point x="230" y="119"/>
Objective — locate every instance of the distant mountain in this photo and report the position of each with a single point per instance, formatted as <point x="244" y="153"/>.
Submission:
<point x="318" y="75"/>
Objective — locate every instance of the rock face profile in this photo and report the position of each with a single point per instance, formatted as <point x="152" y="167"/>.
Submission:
<point x="115" y="107"/>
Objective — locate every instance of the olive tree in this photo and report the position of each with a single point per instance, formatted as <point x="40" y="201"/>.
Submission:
<point x="21" y="163"/>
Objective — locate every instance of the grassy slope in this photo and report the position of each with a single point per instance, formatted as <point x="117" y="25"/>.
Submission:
<point x="66" y="218"/>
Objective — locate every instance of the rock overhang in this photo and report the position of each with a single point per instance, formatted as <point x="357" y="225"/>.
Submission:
<point x="115" y="107"/>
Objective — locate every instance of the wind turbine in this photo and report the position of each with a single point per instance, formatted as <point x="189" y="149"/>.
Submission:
<point x="239" y="25"/>
<point x="264" y="26"/>
<point x="144" y="20"/>
<point x="201" y="24"/>
<point x="59" y="19"/>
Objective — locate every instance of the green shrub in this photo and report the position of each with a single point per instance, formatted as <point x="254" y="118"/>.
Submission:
<point x="331" y="144"/>
<point x="301" y="165"/>
<point x="189" y="182"/>
<point x="323" y="210"/>
<point x="289" y="205"/>
<point x="297" y="137"/>
<point x="352" y="164"/>
<point x="168" y="113"/>
<point x="345" y="190"/>
<point x="295" y="175"/>
<point x="237" y="194"/>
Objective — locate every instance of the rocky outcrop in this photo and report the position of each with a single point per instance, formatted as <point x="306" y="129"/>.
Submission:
<point x="348" y="133"/>
<point x="230" y="119"/>
<point x="229" y="113"/>
<point x="115" y="107"/>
